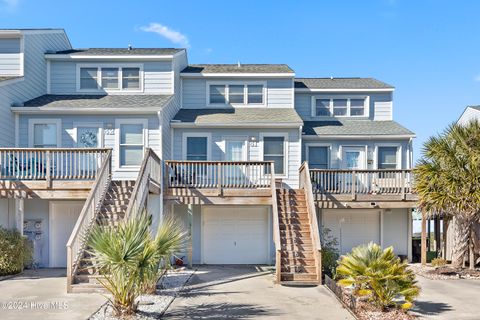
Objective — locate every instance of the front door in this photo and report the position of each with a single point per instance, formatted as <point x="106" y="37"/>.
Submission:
<point x="235" y="150"/>
<point x="63" y="216"/>
<point x="353" y="158"/>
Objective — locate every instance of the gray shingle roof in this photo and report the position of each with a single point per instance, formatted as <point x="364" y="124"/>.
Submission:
<point x="354" y="127"/>
<point x="474" y="107"/>
<point x="119" y="51"/>
<point x="99" y="102"/>
<point x="5" y="78"/>
<point x="340" y="83"/>
<point x="239" y="116"/>
<point x="234" y="68"/>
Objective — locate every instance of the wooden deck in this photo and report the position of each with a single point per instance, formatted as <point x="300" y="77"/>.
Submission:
<point x="363" y="188"/>
<point x="56" y="173"/>
<point x="219" y="182"/>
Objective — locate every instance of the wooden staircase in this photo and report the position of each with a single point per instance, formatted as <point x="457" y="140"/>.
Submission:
<point x="111" y="212"/>
<point x="298" y="263"/>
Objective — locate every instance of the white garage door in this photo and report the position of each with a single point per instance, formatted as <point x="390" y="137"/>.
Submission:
<point x="353" y="227"/>
<point x="235" y="235"/>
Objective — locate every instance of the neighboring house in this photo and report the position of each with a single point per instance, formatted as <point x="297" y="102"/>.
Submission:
<point x="469" y="114"/>
<point x="221" y="147"/>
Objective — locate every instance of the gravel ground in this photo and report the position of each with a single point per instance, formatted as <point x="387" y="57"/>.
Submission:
<point x="152" y="306"/>
<point x="444" y="272"/>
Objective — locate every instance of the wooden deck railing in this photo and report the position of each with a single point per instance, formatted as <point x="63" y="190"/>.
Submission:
<point x="77" y="241"/>
<point x="364" y="182"/>
<point x="306" y="184"/>
<point x="218" y="174"/>
<point x="276" y="228"/>
<point x="50" y="164"/>
<point x="150" y="172"/>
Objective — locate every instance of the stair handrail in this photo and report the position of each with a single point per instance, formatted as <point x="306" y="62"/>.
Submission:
<point x="306" y="184"/>
<point x="77" y="242"/>
<point x="276" y="226"/>
<point x="150" y="171"/>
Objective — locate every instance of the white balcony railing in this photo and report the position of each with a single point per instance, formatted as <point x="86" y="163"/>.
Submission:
<point x="50" y="164"/>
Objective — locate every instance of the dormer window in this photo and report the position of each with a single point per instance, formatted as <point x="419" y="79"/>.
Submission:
<point x="109" y="78"/>
<point x="89" y="78"/>
<point x="340" y="106"/>
<point x="235" y="93"/>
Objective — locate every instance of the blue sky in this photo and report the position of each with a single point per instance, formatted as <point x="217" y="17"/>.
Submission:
<point x="427" y="49"/>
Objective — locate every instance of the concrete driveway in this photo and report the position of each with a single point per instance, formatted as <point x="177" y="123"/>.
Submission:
<point x="220" y="292"/>
<point x="448" y="299"/>
<point x="42" y="295"/>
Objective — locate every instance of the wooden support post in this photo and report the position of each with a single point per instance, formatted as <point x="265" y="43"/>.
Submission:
<point x="424" y="239"/>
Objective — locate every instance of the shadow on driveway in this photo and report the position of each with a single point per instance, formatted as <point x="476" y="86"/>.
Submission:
<point x="430" y="308"/>
<point x="222" y="311"/>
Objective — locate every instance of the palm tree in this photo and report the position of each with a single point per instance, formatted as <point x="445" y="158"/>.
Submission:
<point x="129" y="257"/>
<point x="379" y="274"/>
<point x="447" y="180"/>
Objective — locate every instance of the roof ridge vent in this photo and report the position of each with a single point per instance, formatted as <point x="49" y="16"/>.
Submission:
<point x="130" y="47"/>
<point x="331" y="77"/>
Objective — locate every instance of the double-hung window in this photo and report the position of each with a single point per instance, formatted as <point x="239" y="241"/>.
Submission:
<point x="236" y="94"/>
<point x="109" y="78"/>
<point x="274" y="150"/>
<point x="339" y="106"/>
<point x="197" y="148"/>
<point x="89" y="78"/>
<point x="387" y="158"/>
<point x="318" y="157"/>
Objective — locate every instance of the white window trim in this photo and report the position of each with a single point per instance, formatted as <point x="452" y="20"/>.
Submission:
<point x="262" y="135"/>
<point x="318" y="144"/>
<point x="99" y="77"/>
<point x="207" y="135"/>
<point x="98" y="125"/>
<point x="245" y="93"/>
<point x="390" y="144"/>
<point x="118" y="122"/>
<point x="245" y="151"/>
<point x="32" y="122"/>
<point x="360" y="146"/>
<point x="313" y="111"/>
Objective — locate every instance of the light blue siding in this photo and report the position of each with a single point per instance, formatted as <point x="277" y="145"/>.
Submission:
<point x="10" y="57"/>
<point x="337" y="144"/>
<point x="158" y="78"/>
<point x="109" y="140"/>
<point x="33" y="84"/>
<point x="380" y="107"/>
<point x="279" y="92"/>
<point x="253" y="153"/>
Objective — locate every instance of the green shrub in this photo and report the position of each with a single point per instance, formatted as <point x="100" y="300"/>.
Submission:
<point x="438" y="262"/>
<point x="380" y="275"/>
<point x="16" y="252"/>
<point x="329" y="252"/>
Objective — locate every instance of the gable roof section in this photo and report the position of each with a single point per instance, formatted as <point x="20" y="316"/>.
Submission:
<point x="234" y="68"/>
<point x="355" y="128"/>
<point x="474" y="107"/>
<point x="341" y="83"/>
<point x="236" y="117"/>
<point x="119" y="51"/>
<point x="95" y="103"/>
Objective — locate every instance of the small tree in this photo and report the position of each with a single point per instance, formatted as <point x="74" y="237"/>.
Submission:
<point x="378" y="274"/>
<point x="447" y="180"/>
<point x="128" y="257"/>
<point x="329" y="252"/>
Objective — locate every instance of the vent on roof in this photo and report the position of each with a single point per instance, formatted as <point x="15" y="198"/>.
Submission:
<point x="130" y="47"/>
<point x="238" y="64"/>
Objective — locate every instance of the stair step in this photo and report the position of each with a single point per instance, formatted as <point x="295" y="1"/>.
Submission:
<point x="296" y="247"/>
<point x="116" y="202"/>
<point x="294" y="220"/>
<point x="288" y="276"/>
<point x="295" y="261"/>
<point x="296" y="241"/>
<point x="88" y="278"/>
<point x="309" y="269"/>
<point x="299" y="283"/>
<point x="113" y="209"/>
<point x="123" y="183"/>
<point x="87" y="288"/>
<point x="290" y="191"/>
<point x="294" y="227"/>
<point x="299" y="255"/>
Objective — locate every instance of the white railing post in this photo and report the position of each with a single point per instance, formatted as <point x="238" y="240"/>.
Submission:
<point x="48" y="174"/>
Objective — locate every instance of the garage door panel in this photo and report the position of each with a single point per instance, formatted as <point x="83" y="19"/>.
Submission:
<point x="235" y="235"/>
<point x="353" y="227"/>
